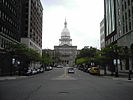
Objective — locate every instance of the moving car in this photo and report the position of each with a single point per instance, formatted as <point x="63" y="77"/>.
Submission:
<point x="94" y="70"/>
<point x="48" y="68"/>
<point x="70" y="70"/>
<point x="59" y="66"/>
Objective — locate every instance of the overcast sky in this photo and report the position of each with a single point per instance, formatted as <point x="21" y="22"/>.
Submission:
<point x="83" y="21"/>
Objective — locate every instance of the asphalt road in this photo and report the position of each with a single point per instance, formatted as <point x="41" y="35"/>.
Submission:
<point x="59" y="85"/>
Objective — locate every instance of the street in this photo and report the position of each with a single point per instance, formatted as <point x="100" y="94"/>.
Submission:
<point x="57" y="84"/>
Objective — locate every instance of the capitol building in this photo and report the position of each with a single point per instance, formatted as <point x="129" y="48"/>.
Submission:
<point x="65" y="51"/>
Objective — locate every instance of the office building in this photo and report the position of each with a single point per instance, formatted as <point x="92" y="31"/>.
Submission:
<point x="10" y="31"/>
<point x="124" y="15"/>
<point x="110" y="22"/>
<point x="125" y="23"/>
<point x="102" y="34"/>
<point x="32" y="16"/>
<point x="20" y="22"/>
<point x="118" y="15"/>
<point x="10" y="22"/>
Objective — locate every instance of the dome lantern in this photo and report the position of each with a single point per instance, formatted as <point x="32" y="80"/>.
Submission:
<point x="65" y="31"/>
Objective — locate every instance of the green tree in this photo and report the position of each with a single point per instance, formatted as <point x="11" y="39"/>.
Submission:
<point x="22" y="53"/>
<point x="46" y="59"/>
<point x="87" y="52"/>
<point x="86" y="56"/>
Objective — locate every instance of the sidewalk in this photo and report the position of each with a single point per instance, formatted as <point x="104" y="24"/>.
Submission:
<point x="122" y="76"/>
<point x="2" y="78"/>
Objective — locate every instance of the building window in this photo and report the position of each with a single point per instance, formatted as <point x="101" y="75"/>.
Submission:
<point x="3" y="1"/>
<point x="126" y="16"/>
<point x="27" y="4"/>
<point x="126" y="28"/>
<point x="120" y="33"/>
<point x="0" y="28"/>
<point x="129" y="14"/>
<point x="112" y="39"/>
<point x="125" y="5"/>
<point x="129" y="25"/>
<point x="122" y="8"/>
<point x="129" y="2"/>
<point x="132" y="12"/>
<point x="123" y="30"/>
<point x="0" y="41"/>
<point x="119" y="22"/>
<point x="123" y="19"/>
<point x="0" y="13"/>
<point x="132" y="24"/>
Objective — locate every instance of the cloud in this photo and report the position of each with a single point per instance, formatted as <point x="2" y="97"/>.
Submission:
<point x="83" y="17"/>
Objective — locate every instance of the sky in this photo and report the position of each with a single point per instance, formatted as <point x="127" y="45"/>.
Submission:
<point x="83" y="21"/>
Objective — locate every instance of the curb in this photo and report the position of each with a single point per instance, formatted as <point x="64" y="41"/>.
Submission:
<point x="123" y="79"/>
<point x="11" y="77"/>
<point x="118" y="78"/>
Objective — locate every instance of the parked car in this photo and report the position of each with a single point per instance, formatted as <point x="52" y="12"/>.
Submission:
<point x="94" y="70"/>
<point x="34" y="71"/>
<point x="88" y="70"/>
<point x="70" y="70"/>
<point x="29" y="72"/>
<point x="38" y="70"/>
<point x="41" y="70"/>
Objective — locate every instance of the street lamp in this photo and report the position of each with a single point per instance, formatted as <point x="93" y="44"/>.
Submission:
<point x="12" y="65"/>
<point x="116" y="62"/>
<point x="13" y="60"/>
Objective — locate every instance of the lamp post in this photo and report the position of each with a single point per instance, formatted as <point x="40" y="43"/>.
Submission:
<point x="116" y="62"/>
<point x="12" y="65"/>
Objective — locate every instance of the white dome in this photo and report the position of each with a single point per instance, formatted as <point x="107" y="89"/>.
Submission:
<point x="65" y="32"/>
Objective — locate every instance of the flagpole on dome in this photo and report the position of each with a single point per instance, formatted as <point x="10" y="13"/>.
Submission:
<point x="65" y="23"/>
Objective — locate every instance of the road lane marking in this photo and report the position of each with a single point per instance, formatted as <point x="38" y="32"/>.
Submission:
<point x="64" y="76"/>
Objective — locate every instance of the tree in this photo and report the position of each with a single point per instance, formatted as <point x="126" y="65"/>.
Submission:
<point x="102" y="61"/>
<point x="86" y="56"/>
<point x="82" y="60"/>
<point x="46" y="59"/>
<point x="20" y="52"/>
<point x="87" y="52"/>
<point x="109" y="55"/>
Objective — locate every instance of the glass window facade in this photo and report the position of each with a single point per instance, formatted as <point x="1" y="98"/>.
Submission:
<point x="109" y="16"/>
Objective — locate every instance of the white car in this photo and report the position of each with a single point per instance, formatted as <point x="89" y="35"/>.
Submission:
<point x="59" y="66"/>
<point x="34" y="71"/>
<point x="29" y="72"/>
<point x="70" y="70"/>
<point x="88" y="70"/>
